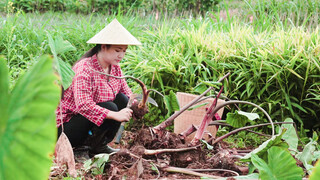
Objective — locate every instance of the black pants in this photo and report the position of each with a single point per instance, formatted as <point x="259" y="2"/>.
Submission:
<point x="78" y="127"/>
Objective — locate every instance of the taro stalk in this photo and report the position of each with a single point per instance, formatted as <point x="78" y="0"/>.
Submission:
<point x="159" y="128"/>
<point x="141" y="108"/>
<point x="207" y="119"/>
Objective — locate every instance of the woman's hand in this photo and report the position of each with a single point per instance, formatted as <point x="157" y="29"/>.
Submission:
<point x="122" y="116"/>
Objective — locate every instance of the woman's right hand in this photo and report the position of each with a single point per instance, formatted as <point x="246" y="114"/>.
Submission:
<point x="123" y="115"/>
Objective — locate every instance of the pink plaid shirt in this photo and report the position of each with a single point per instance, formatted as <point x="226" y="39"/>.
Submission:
<point x="89" y="88"/>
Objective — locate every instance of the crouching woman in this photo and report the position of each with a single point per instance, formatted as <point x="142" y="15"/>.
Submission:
<point x="94" y="106"/>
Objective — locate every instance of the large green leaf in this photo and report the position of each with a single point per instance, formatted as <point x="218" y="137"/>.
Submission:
<point x="60" y="46"/>
<point x="30" y="135"/>
<point x="239" y="118"/>
<point x="261" y="151"/>
<point x="172" y="103"/>
<point x="290" y="136"/>
<point x="4" y="94"/>
<point x="66" y="73"/>
<point x="280" y="165"/>
<point x="315" y="174"/>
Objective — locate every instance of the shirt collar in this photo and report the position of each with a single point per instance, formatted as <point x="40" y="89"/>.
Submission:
<point x="96" y="65"/>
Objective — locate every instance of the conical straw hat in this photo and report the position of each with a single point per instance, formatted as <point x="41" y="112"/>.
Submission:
<point x="114" y="33"/>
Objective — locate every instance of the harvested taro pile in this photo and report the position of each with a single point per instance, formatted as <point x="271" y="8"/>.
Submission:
<point x="149" y="156"/>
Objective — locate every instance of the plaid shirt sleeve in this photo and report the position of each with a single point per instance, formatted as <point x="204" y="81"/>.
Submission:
<point x="84" y="102"/>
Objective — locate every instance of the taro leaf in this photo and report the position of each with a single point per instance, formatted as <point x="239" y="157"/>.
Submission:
<point x="249" y="176"/>
<point x="62" y="46"/>
<point x="4" y="94"/>
<point x="307" y="155"/>
<point x="250" y="116"/>
<point x="290" y="136"/>
<point x="280" y="165"/>
<point x="87" y="164"/>
<point x="66" y="73"/>
<point x="27" y="144"/>
<point x="171" y="102"/>
<point x="59" y="46"/>
<point x="315" y="174"/>
<point x="207" y="144"/>
<point x="100" y="160"/>
<point x="239" y="118"/>
<point x="261" y="151"/>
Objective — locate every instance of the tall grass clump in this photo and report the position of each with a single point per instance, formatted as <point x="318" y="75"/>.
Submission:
<point x="279" y="70"/>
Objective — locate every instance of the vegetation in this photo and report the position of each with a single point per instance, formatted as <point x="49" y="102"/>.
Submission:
<point x="28" y="133"/>
<point x="272" y="62"/>
<point x="271" y="49"/>
<point x="113" y="6"/>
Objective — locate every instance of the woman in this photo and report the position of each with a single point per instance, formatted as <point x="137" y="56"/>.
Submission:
<point x="94" y="106"/>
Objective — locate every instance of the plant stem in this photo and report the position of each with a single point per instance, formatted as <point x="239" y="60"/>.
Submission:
<point x="209" y="116"/>
<point x="224" y="124"/>
<point x="158" y="151"/>
<point x="244" y="128"/>
<point x="157" y="129"/>
<point x="187" y="171"/>
<point x="218" y="107"/>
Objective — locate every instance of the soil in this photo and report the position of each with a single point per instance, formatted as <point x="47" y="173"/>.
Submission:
<point x="132" y="163"/>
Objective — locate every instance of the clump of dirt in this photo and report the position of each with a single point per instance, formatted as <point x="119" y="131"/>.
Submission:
<point x="124" y="163"/>
<point x="146" y="138"/>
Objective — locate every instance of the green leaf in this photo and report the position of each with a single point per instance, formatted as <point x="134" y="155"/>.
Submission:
<point x="28" y="142"/>
<point x="307" y="155"/>
<point x="101" y="159"/>
<point x="315" y="174"/>
<point x="261" y="151"/>
<point x="250" y="176"/>
<point x="4" y="97"/>
<point x="197" y="106"/>
<point x="262" y="166"/>
<point x="211" y="83"/>
<point x="87" y="164"/>
<point x="239" y="118"/>
<point x="207" y="145"/>
<point x="290" y="136"/>
<point x="280" y="165"/>
<point x="59" y="46"/>
<point x="63" y="46"/>
<point x="250" y="116"/>
<point x="64" y="69"/>
<point x="66" y="73"/>
<point x="171" y="102"/>
<point x="200" y="88"/>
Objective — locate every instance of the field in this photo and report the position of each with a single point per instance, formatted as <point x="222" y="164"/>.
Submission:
<point x="270" y="48"/>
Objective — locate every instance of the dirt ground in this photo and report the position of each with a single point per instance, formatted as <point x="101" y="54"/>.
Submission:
<point x="133" y="163"/>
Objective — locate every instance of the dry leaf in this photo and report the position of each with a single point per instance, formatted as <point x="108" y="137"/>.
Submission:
<point x="64" y="154"/>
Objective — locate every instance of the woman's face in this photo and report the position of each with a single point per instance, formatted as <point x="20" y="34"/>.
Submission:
<point x="114" y="54"/>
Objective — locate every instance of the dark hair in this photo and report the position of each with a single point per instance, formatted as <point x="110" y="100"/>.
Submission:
<point x="93" y="51"/>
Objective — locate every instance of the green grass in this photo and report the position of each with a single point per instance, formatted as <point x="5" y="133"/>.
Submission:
<point x="273" y="60"/>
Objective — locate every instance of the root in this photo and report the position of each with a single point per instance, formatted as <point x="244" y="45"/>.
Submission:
<point x="190" y="172"/>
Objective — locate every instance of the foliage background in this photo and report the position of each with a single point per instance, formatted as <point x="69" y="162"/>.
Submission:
<point x="270" y="47"/>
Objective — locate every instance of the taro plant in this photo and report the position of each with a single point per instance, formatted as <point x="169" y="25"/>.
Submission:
<point x="27" y="123"/>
